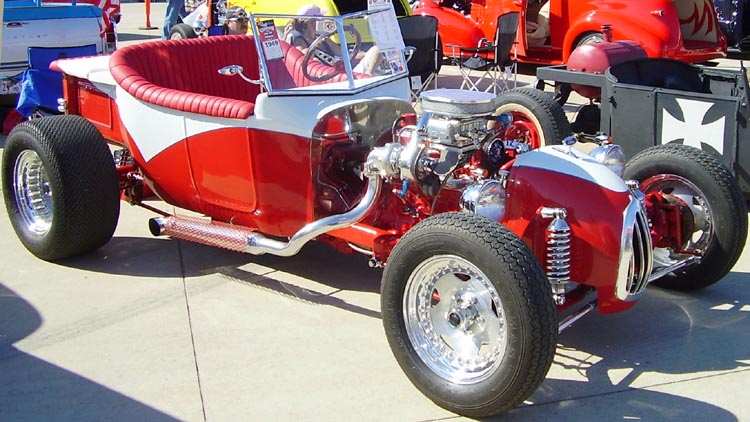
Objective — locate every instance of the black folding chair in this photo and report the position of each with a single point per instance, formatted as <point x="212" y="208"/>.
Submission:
<point x="495" y="60"/>
<point x="421" y="32"/>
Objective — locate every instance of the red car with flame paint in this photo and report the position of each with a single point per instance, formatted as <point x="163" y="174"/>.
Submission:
<point x="686" y="30"/>
<point x="490" y="246"/>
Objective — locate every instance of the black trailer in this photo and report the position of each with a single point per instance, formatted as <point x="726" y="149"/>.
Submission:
<point x="647" y="102"/>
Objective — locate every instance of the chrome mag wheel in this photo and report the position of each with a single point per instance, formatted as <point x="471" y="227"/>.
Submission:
<point x="455" y="319"/>
<point x="33" y="192"/>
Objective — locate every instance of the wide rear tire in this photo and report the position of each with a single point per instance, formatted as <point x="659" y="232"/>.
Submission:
<point x="706" y="191"/>
<point x="60" y="186"/>
<point x="468" y="314"/>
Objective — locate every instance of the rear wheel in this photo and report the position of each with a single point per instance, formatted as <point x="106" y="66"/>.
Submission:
<point x="537" y="118"/>
<point x="712" y="219"/>
<point x="60" y="186"/>
<point x="468" y="314"/>
<point x="182" y="31"/>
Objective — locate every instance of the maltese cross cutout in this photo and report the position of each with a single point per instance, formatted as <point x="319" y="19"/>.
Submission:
<point x="692" y="130"/>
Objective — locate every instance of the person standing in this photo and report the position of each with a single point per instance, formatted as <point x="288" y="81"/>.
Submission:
<point x="175" y="9"/>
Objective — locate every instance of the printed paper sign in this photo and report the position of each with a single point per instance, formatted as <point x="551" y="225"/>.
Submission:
<point x="379" y="4"/>
<point x="269" y="39"/>
<point x="384" y="25"/>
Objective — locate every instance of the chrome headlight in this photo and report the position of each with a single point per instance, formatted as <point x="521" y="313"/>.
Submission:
<point x="485" y="198"/>
<point x="611" y="156"/>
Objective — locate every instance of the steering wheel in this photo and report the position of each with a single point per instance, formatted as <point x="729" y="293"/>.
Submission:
<point x="333" y="61"/>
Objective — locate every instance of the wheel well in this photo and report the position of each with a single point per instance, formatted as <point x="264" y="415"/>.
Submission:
<point x="581" y="36"/>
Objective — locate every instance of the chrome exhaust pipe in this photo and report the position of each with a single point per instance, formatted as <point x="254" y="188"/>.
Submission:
<point x="243" y="239"/>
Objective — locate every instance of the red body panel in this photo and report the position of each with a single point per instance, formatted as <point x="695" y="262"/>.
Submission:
<point x="654" y="24"/>
<point x="236" y="188"/>
<point x="595" y="223"/>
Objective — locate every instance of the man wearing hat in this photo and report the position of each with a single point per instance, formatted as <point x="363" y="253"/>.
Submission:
<point x="235" y="21"/>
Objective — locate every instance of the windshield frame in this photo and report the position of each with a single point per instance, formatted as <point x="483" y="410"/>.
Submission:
<point x="352" y="85"/>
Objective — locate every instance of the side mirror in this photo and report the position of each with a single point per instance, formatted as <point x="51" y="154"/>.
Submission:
<point x="232" y="69"/>
<point x="235" y="69"/>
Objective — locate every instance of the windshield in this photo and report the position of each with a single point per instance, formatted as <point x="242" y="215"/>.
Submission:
<point x="329" y="53"/>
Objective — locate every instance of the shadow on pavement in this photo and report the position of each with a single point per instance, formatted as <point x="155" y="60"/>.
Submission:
<point x="668" y="337"/>
<point x="146" y="257"/>
<point x="32" y="389"/>
<point x="143" y="256"/>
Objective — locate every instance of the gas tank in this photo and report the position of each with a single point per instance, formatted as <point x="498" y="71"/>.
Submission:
<point x="596" y="58"/>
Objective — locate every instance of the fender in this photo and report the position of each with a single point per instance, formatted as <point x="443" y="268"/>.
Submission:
<point x="653" y="34"/>
<point x="595" y="214"/>
<point x="459" y="29"/>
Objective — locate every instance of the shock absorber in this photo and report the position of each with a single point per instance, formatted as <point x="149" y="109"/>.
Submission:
<point x="558" y="251"/>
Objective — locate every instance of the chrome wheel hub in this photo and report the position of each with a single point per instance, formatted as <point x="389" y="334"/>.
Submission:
<point x="690" y="197"/>
<point x="455" y="320"/>
<point x="33" y="193"/>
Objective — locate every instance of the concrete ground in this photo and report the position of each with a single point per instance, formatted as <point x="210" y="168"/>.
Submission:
<point x="156" y="329"/>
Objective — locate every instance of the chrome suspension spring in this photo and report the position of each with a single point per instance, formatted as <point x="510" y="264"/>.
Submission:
<point x="558" y="251"/>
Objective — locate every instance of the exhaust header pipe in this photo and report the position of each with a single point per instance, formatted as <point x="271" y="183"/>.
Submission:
<point x="243" y="239"/>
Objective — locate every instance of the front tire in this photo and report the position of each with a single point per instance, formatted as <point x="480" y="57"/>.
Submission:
<point x="60" y="186"/>
<point x="713" y="211"/>
<point x="468" y="314"/>
<point x="537" y="118"/>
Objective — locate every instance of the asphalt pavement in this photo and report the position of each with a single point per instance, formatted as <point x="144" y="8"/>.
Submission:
<point x="158" y="329"/>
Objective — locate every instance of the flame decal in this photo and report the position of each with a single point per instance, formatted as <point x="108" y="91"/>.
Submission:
<point x="699" y="19"/>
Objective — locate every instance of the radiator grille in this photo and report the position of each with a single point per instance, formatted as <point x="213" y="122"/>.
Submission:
<point x="636" y="258"/>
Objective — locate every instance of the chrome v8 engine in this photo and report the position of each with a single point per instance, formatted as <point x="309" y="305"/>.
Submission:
<point x="455" y="124"/>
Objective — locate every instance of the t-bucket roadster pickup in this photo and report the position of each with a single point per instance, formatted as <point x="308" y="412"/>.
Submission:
<point x="489" y="245"/>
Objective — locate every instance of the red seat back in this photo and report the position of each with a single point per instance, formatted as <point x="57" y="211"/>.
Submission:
<point x="182" y="74"/>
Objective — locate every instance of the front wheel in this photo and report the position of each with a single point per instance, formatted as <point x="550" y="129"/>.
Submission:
<point x="60" y="186"/>
<point x="696" y="208"/>
<point x="537" y="118"/>
<point x="468" y="314"/>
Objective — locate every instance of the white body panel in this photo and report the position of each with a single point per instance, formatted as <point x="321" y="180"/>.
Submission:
<point x="574" y="163"/>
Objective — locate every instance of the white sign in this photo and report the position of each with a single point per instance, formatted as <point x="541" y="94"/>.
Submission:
<point x="269" y="39"/>
<point x="384" y="25"/>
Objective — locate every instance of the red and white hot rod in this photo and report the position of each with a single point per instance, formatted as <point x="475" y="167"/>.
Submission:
<point x="489" y="245"/>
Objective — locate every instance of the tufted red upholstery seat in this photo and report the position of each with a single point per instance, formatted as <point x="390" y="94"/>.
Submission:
<point x="182" y="74"/>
